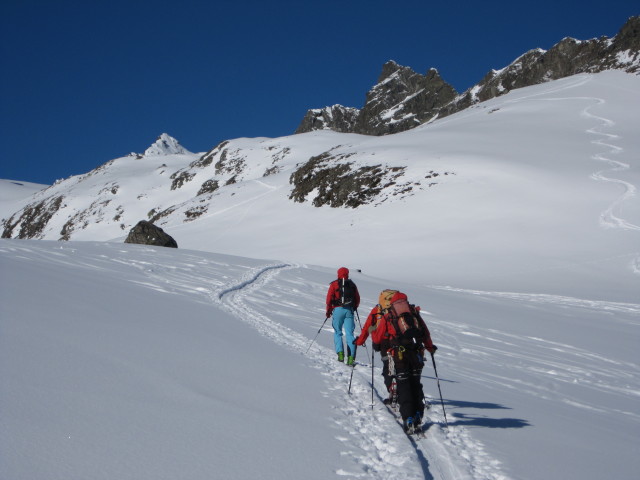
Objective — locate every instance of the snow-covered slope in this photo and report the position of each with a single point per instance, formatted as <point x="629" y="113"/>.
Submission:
<point x="14" y="195"/>
<point x="515" y="224"/>
<point x="132" y="362"/>
<point x="531" y="191"/>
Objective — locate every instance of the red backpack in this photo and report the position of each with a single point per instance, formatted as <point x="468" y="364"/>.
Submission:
<point x="408" y="326"/>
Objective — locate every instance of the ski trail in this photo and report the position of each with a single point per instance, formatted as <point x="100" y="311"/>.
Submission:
<point x="610" y="217"/>
<point x="532" y="363"/>
<point x="363" y="431"/>
<point x="373" y="437"/>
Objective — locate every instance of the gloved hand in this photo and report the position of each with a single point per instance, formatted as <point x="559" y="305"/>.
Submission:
<point x="329" y="311"/>
<point x="359" y="341"/>
<point x="432" y="349"/>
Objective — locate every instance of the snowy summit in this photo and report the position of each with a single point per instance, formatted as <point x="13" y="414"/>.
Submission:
<point x="165" y="145"/>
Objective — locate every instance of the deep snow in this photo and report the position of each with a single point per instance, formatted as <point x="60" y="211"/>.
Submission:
<point x="123" y="361"/>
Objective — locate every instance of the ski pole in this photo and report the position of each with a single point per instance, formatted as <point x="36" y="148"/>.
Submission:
<point x="372" y="352"/>
<point x="353" y="367"/>
<point x="314" y="338"/>
<point x="439" y="389"/>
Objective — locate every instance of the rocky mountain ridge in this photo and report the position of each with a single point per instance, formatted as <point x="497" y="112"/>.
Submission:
<point x="403" y="99"/>
<point x="167" y="183"/>
<point x="323" y="169"/>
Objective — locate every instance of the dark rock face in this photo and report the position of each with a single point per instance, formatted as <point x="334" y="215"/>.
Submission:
<point x="403" y="99"/>
<point x="566" y="58"/>
<point x="33" y="219"/>
<point x="336" y="118"/>
<point x="337" y="183"/>
<point x="146" y="233"/>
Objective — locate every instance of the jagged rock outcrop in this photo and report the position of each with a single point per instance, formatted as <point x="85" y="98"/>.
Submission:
<point x="146" y="233"/>
<point x="403" y="99"/>
<point x="336" y="118"/>
<point x="566" y="58"/>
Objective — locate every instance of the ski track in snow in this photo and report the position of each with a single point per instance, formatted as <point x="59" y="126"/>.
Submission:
<point x="536" y="358"/>
<point x="609" y="218"/>
<point x="375" y="440"/>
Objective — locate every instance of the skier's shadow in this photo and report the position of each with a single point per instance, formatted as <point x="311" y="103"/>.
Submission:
<point x="478" y="420"/>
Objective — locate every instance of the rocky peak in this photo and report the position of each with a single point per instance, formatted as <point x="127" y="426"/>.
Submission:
<point x="567" y="57"/>
<point x="336" y="118"/>
<point x="628" y="38"/>
<point x="165" y="145"/>
<point x="403" y="99"/>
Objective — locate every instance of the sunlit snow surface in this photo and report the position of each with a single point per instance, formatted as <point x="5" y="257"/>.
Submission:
<point x="133" y="362"/>
<point x="121" y="361"/>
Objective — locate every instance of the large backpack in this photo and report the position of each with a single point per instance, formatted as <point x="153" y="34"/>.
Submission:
<point x="346" y="293"/>
<point x="384" y="300"/>
<point x="406" y="321"/>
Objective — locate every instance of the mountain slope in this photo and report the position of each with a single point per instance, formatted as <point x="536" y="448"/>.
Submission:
<point x="541" y="179"/>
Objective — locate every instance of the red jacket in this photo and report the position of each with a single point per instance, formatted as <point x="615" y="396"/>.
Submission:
<point x="333" y="295"/>
<point x="370" y="326"/>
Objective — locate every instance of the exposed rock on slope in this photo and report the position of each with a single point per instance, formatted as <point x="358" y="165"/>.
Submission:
<point x="566" y="58"/>
<point x="146" y="233"/>
<point x="337" y="118"/>
<point x="403" y="99"/>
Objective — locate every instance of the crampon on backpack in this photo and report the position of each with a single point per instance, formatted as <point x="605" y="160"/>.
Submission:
<point x="406" y="321"/>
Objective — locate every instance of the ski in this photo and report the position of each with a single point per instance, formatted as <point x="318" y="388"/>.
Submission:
<point x="418" y="432"/>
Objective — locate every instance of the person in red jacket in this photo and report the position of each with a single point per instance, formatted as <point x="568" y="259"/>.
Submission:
<point x="342" y="299"/>
<point x="380" y="344"/>
<point x="405" y="336"/>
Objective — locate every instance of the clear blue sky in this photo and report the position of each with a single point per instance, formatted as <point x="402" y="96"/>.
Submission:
<point x="86" y="81"/>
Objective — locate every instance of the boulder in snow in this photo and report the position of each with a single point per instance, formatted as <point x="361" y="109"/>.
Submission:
<point x="146" y="233"/>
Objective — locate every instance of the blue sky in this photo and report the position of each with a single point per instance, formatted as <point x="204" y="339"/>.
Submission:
<point x="87" y="81"/>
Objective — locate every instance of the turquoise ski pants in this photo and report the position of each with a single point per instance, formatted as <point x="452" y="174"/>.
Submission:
<point x="343" y="317"/>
